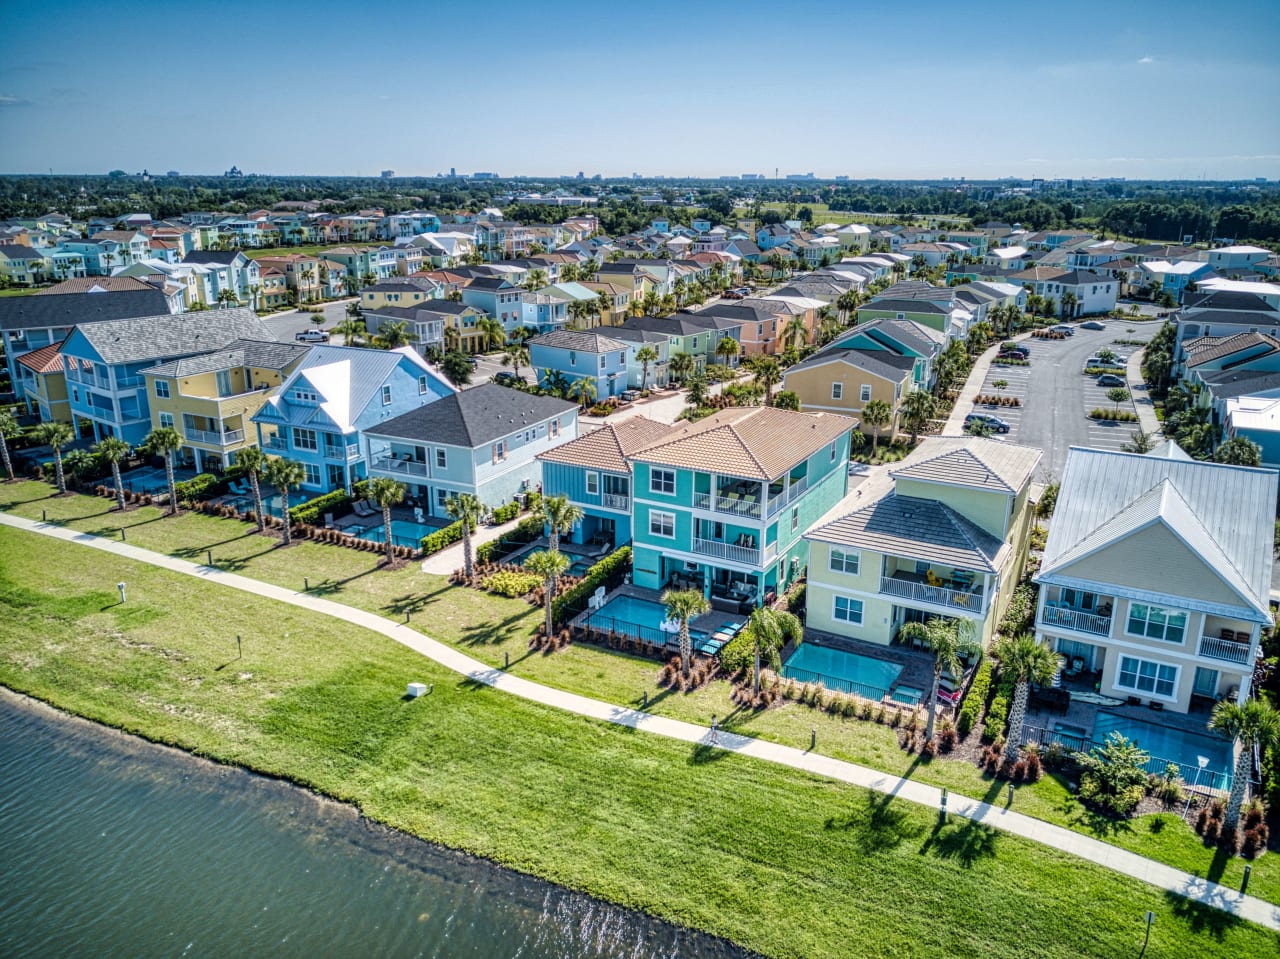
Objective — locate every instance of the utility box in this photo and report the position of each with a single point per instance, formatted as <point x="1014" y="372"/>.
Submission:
<point x="417" y="689"/>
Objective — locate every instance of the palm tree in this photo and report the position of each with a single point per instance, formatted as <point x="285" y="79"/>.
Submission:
<point x="465" y="508"/>
<point x="949" y="640"/>
<point x="456" y="367"/>
<point x="285" y="475"/>
<point x="561" y="515"/>
<point x="9" y="429"/>
<point x="583" y="390"/>
<point x="876" y="414"/>
<point x="56" y="435"/>
<point x="684" y="605"/>
<point x="796" y="333"/>
<point x="452" y="339"/>
<point x="550" y="565"/>
<point x="395" y="334"/>
<point x="645" y="355"/>
<point x="387" y="493"/>
<point x="1025" y="660"/>
<point x="535" y="280"/>
<point x="166" y="441"/>
<point x="650" y="303"/>
<point x="492" y="332"/>
<point x="515" y="354"/>
<point x="828" y="326"/>
<point x="112" y="449"/>
<point x="846" y="303"/>
<point x="681" y="364"/>
<point x="603" y="303"/>
<point x="768" y="374"/>
<point x="1069" y="302"/>
<point x="727" y="349"/>
<point x="1255" y="724"/>
<point x="351" y="330"/>
<point x="770" y="631"/>
<point x="252" y="461"/>
<point x="918" y="407"/>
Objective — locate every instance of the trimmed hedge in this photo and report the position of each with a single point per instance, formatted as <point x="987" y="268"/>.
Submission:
<point x="434" y="542"/>
<point x="504" y="514"/>
<point x="311" y="512"/>
<point x="595" y="578"/>
<point x="526" y="531"/>
<point x="998" y="711"/>
<point x="196" y="488"/>
<point x="1113" y="416"/>
<point x="975" y="699"/>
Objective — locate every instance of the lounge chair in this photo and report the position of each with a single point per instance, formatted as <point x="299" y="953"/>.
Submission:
<point x="328" y="521"/>
<point x="239" y="487"/>
<point x="360" y="508"/>
<point x="596" y="600"/>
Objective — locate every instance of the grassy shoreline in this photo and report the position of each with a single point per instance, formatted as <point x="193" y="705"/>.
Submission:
<point x="492" y="629"/>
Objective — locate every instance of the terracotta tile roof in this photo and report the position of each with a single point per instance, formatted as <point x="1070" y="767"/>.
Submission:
<point x="106" y="284"/>
<point x="757" y="442"/>
<point x="47" y="359"/>
<point x="608" y="447"/>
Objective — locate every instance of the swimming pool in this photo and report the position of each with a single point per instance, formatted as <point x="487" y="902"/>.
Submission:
<point x="577" y="567"/>
<point x="404" y="532"/>
<point x="841" y="671"/>
<point x="1165" y="744"/>
<point x="270" y="504"/>
<point x="639" y="619"/>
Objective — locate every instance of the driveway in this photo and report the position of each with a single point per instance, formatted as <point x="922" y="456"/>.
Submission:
<point x="1057" y="397"/>
<point x="284" y="326"/>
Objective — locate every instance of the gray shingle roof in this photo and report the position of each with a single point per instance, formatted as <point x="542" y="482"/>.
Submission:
<point x="170" y="335"/>
<point x="72" y="309"/>
<point x="582" y="341"/>
<point x="473" y="417"/>
<point x="881" y="363"/>
<point x="1224" y="384"/>
<point x="971" y="461"/>
<point x="267" y="355"/>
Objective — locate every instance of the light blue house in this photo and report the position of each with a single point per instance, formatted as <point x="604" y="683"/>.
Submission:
<point x="485" y="441"/>
<point x="722" y="504"/>
<point x="105" y="360"/>
<point x="498" y="297"/>
<point x="319" y="413"/>
<point x="594" y="473"/>
<point x="581" y="355"/>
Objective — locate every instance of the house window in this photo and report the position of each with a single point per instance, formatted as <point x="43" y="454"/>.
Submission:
<point x="593" y="484"/>
<point x="837" y="391"/>
<point x="422" y="384"/>
<point x="573" y="358"/>
<point x="386" y="396"/>
<point x="499" y="451"/>
<point x="865" y="393"/>
<point x="662" y="481"/>
<point x="662" y="524"/>
<point x="442" y="497"/>
<point x="304" y="439"/>
<point x="313" y="474"/>
<point x="442" y="459"/>
<point x="847" y="610"/>
<point x="845" y="562"/>
<point x="162" y="389"/>
<point x="1154" y="622"/>
<point x="553" y="428"/>
<point x="833" y="452"/>
<point x="166" y="420"/>
<point x="75" y="394"/>
<point x="1145" y="676"/>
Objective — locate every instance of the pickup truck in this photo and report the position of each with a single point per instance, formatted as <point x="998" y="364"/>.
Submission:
<point x="312" y="336"/>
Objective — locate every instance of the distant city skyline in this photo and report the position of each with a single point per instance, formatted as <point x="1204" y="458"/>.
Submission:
<point x="1145" y="90"/>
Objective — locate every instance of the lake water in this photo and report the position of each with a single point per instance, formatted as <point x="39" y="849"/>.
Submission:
<point x="112" y="846"/>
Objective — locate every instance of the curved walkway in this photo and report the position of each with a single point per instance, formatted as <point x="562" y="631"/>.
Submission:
<point x="1120" y="860"/>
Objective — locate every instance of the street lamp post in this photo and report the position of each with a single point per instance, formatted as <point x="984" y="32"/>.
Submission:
<point x="1151" y="917"/>
<point x="1203" y="761"/>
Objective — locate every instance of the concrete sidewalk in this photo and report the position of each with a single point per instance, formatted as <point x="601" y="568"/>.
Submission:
<point x="1142" y="402"/>
<point x="450" y="558"/>
<point x="998" y="817"/>
<point x="973" y="385"/>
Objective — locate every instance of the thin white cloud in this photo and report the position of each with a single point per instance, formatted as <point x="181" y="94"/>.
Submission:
<point x="6" y="100"/>
<point x="1146" y="59"/>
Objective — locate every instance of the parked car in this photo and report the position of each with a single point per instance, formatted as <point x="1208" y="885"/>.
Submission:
<point x="1116" y="363"/>
<point x="859" y="469"/>
<point x="506" y="378"/>
<point x="1012" y="355"/>
<point x="1111" y="379"/>
<point x="1092" y="325"/>
<point x="473" y="361"/>
<point x="1064" y="328"/>
<point x="986" y="419"/>
<point x="731" y="295"/>
<point x="1025" y="351"/>
<point x="312" y="336"/>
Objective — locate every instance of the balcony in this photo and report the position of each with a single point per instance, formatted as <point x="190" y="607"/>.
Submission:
<point x="211" y="438"/>
<point x="276" y="442"/>
<point x="615" y="501"/>
<point x="395" y="467"/>
<point x="747" y="555"/>
<point x="933" y="595"/>
<point x="781" y="499"/>
<point x="344" y="453"/>
<point x="732" y="505"/>
<point x="1074" y="619"/>
<point x="1227" y="650"/>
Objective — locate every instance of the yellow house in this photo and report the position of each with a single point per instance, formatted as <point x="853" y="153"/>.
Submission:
<point x="210" y="399"/>
<point x="42" y="382"/>
<point x="619" y="301"/>
<point x="943" y="533"/>
<point x="845" y="381"/>
<point x="275" y="289"/>
<point x="402" y="292"/>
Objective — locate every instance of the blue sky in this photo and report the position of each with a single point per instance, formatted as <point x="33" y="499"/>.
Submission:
<point x="1154" y="89"/>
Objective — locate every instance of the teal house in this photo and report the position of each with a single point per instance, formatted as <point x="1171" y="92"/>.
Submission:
<point x="721" y="505"/>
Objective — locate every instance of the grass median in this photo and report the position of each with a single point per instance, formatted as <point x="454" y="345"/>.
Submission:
<point x="779" y="861"/>
<point x="496" y="631"/>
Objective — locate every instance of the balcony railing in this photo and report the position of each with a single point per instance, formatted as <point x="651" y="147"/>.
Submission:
<point x="127" y="382"/>
<point x="213" y="438"/>
<point x="277" y="442"/>
<point x="387" y="464"/>
<point x="1227" y="650"/>
<point x="347" y="453"/>
<point x="748" y="555"/>
<point x="615" y="501"/>
<point x="935" y="595"/>
<point x="1076" y="620"/>
<point x="725" y="504"/>
<point x="786" y="496"/>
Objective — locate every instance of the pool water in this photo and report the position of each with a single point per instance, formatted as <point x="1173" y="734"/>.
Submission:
<point x="1165" y="744"/>
<point x="577" y="567"/>
<point x="907" y="695"/>
<point x="404" y="532"/>
<point x="838" y="670"/>
<point x="623" y="611"/>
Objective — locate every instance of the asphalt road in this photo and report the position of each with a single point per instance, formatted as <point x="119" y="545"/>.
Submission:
<point x="1056" y="396"/>
<point x="284" y="326"/>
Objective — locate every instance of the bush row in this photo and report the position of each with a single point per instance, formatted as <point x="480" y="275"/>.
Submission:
<point x="311" y="513"/>
<point x="434" y="542"/>
<point x="504" y="514"/>
<point x="596" y="576"/>
<point x="975" y="699"/>
<point x="998" y="711"/>
<point x="1113" y="416"/>
<point x="1022" y="606"/>
<point x="195" y="488"/>
<point x="526" y="531"/>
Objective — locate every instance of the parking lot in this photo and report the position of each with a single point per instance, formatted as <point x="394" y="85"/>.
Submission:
<point x="1056" y="396"/>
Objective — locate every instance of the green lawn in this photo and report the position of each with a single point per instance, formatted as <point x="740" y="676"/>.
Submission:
<point x="254" y="254"/>
<point x="492" y="629"/>
<point x="19" y="291"/>
<point x="781" y="862"/>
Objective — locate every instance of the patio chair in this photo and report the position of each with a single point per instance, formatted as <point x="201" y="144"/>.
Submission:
<point x="596" y="599"/>
<point x="239" y="487"/>
<point x="418" y="515"/>
<point x="361" y="509"/>
<point x="328" y="521"/>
